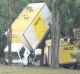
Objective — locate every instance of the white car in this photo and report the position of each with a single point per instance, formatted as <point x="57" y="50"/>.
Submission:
<point x="19" y="54"/>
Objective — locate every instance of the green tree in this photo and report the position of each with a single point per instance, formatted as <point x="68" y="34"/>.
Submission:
<point x="69" y="14"/>
<point x="3" y="23"/>
<point x="3" y="14"/>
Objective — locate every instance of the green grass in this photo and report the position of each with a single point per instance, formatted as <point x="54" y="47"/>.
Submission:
<point x="34" y="70"/>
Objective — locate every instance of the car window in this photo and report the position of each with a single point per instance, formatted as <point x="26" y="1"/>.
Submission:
<point x="14" y="55"/>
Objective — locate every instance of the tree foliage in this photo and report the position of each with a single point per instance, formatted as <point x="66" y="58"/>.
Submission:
<point x="69" y="14"/>
<point x="3" y="14"/>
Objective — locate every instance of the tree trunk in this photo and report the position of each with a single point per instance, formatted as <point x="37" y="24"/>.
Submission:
<point x="55" y="33"/>
<point x="9" y="32"/>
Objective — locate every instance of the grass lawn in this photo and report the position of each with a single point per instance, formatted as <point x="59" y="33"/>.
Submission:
<point x="34" y="70"/>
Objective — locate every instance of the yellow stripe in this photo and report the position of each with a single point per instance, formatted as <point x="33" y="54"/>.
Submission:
<point x="39" y="26"/>
<point x="16" y="38"/>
